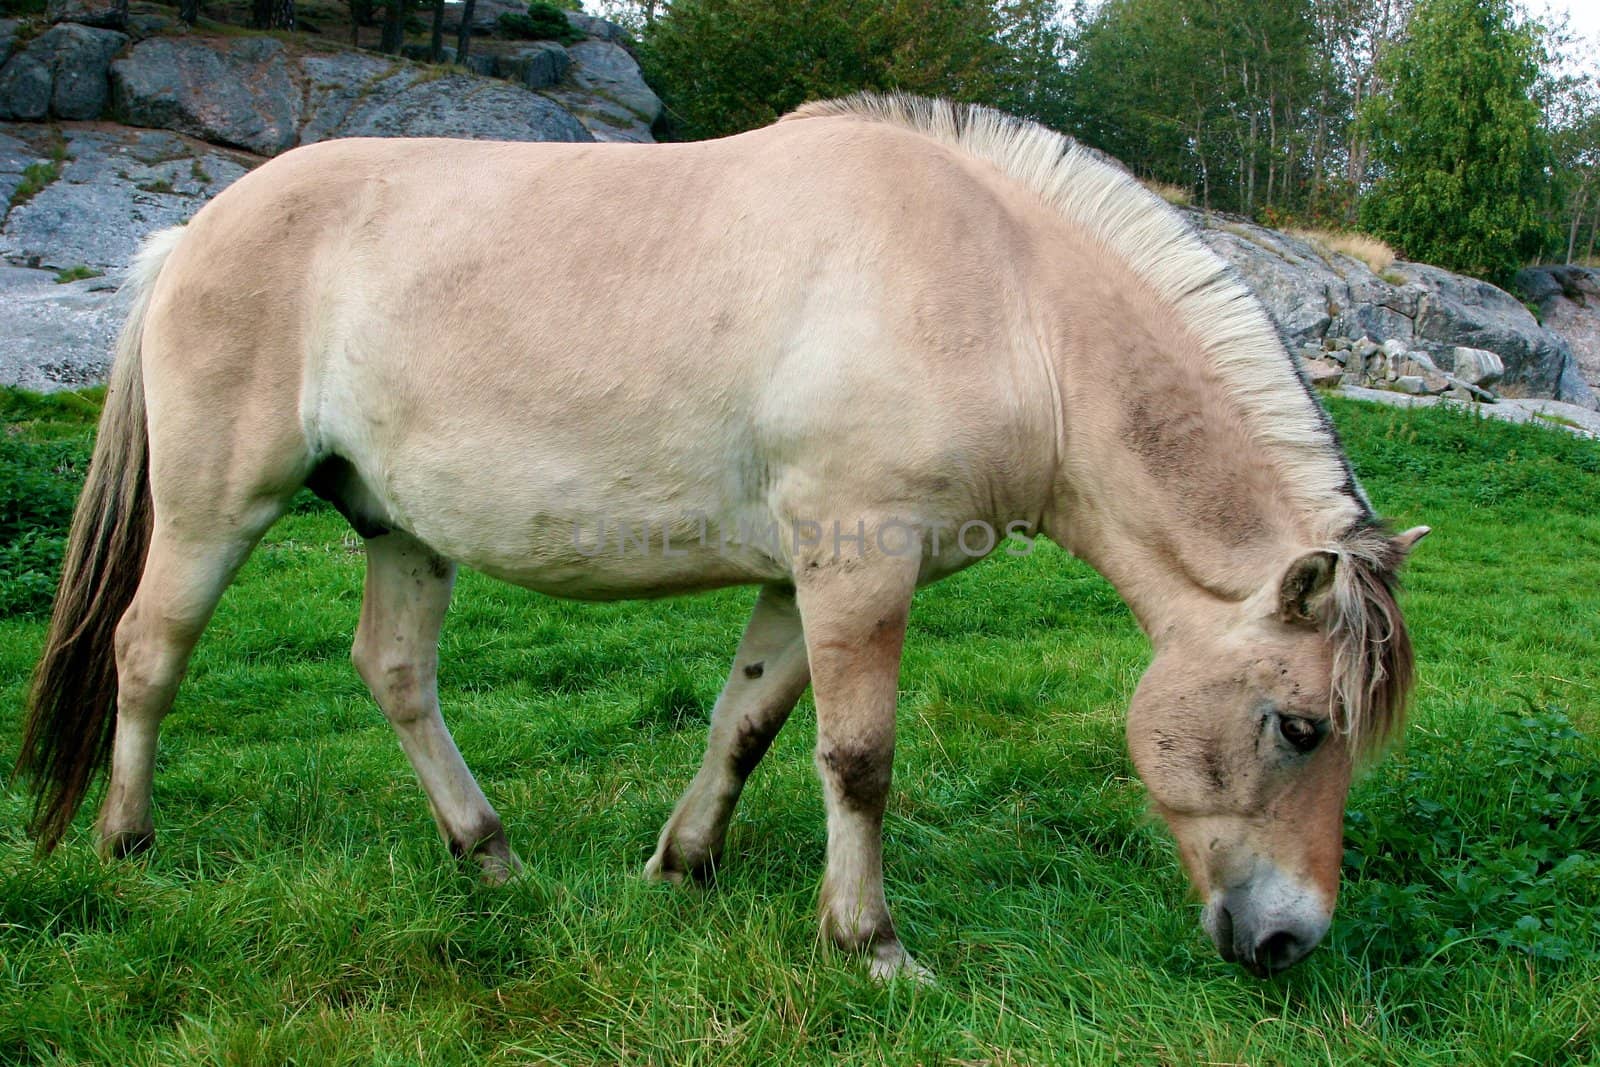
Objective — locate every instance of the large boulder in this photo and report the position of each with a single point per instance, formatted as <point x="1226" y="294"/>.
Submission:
<point x="1568" y="300"/>
<point x="239" y="93"/>
<point x="360" y="96"/>
<point x="25" y="88"/>
<point x="106" y="14"/>
<point x="598" y="28"/>
<point x="79" y="58"/>
<point x="605" y="90"/>
<point x="537" y="66"/>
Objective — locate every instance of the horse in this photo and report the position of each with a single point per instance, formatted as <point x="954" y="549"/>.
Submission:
<point x="878" y="320"/>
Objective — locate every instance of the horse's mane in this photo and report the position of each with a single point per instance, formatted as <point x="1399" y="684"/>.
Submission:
<point x="1372" y="652"/>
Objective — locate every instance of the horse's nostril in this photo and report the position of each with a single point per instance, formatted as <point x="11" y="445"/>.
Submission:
<point x="1279" y="951"/>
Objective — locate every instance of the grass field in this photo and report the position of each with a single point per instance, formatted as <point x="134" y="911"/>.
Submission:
<point x="300" y="908"/>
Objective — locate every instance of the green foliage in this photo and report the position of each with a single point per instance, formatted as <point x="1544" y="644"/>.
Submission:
<point x="1207" y="94"/>
<point x="543" y="22"/>
<point x="35" y="177"/>
<point x="1461" y="154"/>
<point x="14" y="8"/>
<point x="723" y="66"/>
<point x="76" y="274"/>
<point x="44" y="453"/>
<point x="1433" y="866"/>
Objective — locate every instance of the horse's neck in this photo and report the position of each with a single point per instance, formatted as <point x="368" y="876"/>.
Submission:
<point x="1165" y="487"/>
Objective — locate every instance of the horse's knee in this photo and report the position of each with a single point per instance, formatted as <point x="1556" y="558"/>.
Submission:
<point x="397" y="682"/>
<point x="859" y="772"/>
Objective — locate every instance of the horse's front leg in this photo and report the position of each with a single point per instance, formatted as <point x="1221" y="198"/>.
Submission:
<point x="854" y="611"/>
<point x="768" y="675"/>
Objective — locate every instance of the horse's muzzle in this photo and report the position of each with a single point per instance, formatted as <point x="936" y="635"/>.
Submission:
<point x="1266" y="925"/>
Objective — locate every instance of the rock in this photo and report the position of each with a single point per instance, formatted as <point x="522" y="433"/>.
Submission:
<point x="1476" y="366"/>
<point x="485" y="14"/>
<point x="8" y="38"/>
<point x="1465" y="312"/>
<point x="1467" y="391"/>
<point x="114" y="189"/>
<point x="53" y="336"/>
<point x="80" y="62"/>
<point x="606" y="92"/>
<point x="423" y="53"/>
<point x="106" y="14"/>
<point x="25" y="88"/>
<point x="482" y="64"/>
<point x="598" y="28"/>
<point x="1410" y="383"/>
<point x="1394" y="348"/>
<point x="1416" y="363"/>
<point x="15" y="157"/>
<point x="240" y="94"/>
<point x="1337" y="344"/>
<point x="1324" y="374"/>
<point x="142" y="24"/>
<point x="1313" y="296"/>
<point x="538" y="66"/>
<point x="1568" y="301"/>
<point x="1341" y="356"/>
<point x="360" y="96"/>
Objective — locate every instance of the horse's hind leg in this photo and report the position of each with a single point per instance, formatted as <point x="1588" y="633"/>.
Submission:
<point x="768" y="675"/>
<point x="397" y="653"/>
<point x="185" y="573"/>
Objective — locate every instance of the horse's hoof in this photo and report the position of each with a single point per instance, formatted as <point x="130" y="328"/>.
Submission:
<point x="495" y="869"/>
<point x="656" y="870"/>
<point x="891" y="962"/>
<point x="122" y="844"/>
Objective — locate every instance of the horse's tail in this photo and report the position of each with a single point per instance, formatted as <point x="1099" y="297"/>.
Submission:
<point x="70" y="724"/>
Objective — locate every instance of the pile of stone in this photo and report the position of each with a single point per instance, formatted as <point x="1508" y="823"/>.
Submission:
<point x="1391" y="365"/>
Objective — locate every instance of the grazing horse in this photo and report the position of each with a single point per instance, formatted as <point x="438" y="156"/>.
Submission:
<point x="831" y="358"/>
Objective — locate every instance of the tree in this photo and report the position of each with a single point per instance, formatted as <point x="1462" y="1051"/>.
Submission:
<point x="272" y="14"/>
<point x="1461" y="155"/>
<point x="464" y="35"/>
<point x="722" y="66"/>
<point x="1213" y="94"/>
<point x="393" y="34"/>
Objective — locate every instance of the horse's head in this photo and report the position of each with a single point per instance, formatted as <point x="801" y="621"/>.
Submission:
<point x="1246" y="734"/>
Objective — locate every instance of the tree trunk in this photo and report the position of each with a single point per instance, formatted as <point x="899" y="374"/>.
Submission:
<point x="464" y="37"/>
<point x="189" y="11"/>
<point x="394" y="27"/>
<point x="272" y="14"/>
<point x="436" y="47"/>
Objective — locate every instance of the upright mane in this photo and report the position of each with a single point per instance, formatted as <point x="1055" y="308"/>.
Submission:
<point x="1372" y="652"/>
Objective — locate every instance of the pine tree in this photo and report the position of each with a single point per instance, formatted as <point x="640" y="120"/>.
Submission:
<point x="1458" y="145"/>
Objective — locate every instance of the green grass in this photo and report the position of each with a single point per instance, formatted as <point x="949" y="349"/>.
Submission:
<point x="77" y="274"/>
<point x="299" y="907"/>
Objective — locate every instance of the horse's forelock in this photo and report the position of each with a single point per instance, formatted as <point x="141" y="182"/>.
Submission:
<point x="1372" y="657"/>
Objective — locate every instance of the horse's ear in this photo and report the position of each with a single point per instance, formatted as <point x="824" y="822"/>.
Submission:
<point x="1405" y="542"/>
<point x="1304" y="586"/>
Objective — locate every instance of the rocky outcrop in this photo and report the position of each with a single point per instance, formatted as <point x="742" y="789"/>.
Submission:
<point x="1568" y="302"/>
<point x="239" y="93"/>
<point x="354" y="95"/>
<point x="605" y="90"/>
<point x="111" y="189"/>
<point x="1319" y="298"/>
<point x="257" y="94"/>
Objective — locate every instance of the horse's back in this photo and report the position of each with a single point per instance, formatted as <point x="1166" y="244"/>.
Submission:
<point x="508" y="340"/>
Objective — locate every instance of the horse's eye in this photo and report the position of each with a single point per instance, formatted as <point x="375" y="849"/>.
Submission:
<point x="1302" y="734"/>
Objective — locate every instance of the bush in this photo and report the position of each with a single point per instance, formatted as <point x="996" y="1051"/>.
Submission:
<point x="38" y="486"/>
<point x="543" y="22"/>
<point x="1494" y="838"/>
